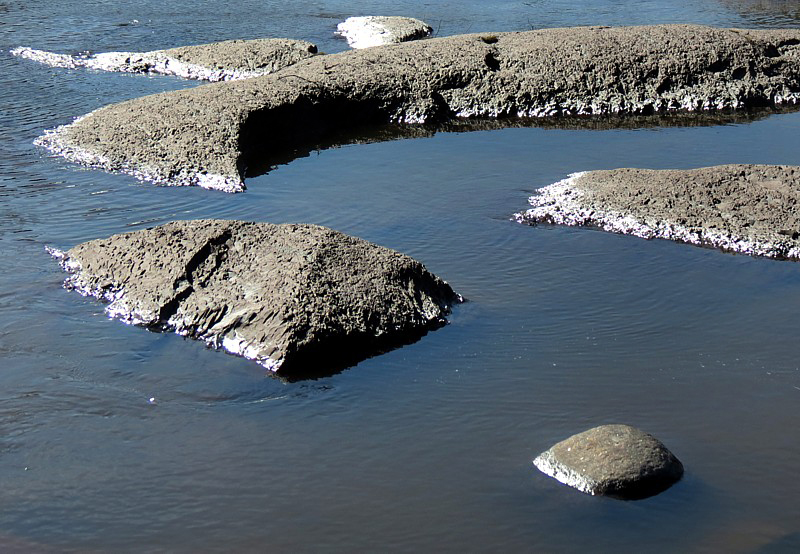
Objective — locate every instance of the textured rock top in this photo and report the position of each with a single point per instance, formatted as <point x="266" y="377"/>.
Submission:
<point x="299" y="299"/>
<point x="752" y="209"/>
<point x="208" y="135"/>
<point x="219" y="61"/>
<point x="612" y="460"/>
<point x="268" y="54"/>
<point x="376" y="30"/>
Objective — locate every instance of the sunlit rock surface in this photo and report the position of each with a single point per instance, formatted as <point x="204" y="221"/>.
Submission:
<point x="219" y="61"/>
<point x="376" y="30"/>
<point x="208" y="136"/>
<point x="752" y="209"/>
<point x="612" y="460"/>
<point x="301" y="300"/>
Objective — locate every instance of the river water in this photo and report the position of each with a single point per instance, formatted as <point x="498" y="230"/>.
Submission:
<point x="428" y="447"/>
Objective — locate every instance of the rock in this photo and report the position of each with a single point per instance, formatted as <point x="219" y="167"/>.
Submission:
<point x="374" y="30"/>
<point x="209" y="135"/>
<point x="301" y="300"/>
<point x="219" y="61"/>
<point x="612" y="460"/>
<point x="752" y="209"/>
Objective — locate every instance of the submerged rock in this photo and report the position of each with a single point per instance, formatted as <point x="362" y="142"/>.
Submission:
<point x="299" y="299"/>
<point x="612" y="460"/>
<point x="209" y="135"/>
<point x="375" y="30"/>
<point x="219" y="61"/>
<point x="752" y="209"/>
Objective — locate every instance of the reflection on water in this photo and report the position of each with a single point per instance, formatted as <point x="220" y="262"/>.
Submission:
<point x="260" y="161"/>
<point x="767" y="13"/>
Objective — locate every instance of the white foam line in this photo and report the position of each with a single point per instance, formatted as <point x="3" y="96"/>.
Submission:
<point x="564" y="203"/>
<point x="137" y="62"/>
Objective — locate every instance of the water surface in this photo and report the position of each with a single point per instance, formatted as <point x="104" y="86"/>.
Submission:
<point x="428" y="447"/>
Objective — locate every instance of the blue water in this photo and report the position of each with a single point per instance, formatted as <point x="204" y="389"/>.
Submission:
<point x="429" y="447"/>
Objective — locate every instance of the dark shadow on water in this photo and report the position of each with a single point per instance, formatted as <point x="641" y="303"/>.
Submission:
<point x="266" y="154"/>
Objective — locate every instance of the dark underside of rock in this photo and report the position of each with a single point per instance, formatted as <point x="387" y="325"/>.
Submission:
<point x="302" y="300"/>
<point x="210" y="135"/>
<point x="612" y="460"/>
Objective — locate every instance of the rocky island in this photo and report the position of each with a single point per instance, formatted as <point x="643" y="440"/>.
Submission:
<point x="301" y="300"/>
<point x="751" y="209"/>
<point x="209" y="135"/>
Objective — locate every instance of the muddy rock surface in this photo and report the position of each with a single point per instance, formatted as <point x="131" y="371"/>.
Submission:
<point x="209" y="135"/>
<point x="301" y="300"/>
<point x="612" y="460"/>
<point x="752" y="209"/>
<point x="219" y="61"/>
<point x="376" y="30"/>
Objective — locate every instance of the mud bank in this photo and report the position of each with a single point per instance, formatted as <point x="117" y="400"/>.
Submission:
<point x="376" y="30"/>
<point x="209" y="135"/>
<point x="752" y="209"/>
<point x="301" y="300"/>
<point x="220" y="61"/>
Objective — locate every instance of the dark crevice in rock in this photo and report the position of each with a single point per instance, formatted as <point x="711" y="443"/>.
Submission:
<point x="213" y="250"/>
<point x="198" y="270"/>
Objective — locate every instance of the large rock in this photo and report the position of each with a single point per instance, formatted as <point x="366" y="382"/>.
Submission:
<point x="209" y="135"/>
<point x="612" y="460"/>
<point x="752" y="209"/>
<point x="299" y="299"/>
<point x="229" y="60"/>
<point x="377" y="30"/>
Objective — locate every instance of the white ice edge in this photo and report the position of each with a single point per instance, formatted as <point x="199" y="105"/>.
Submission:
<point x="137" y="62"/>
<point x="547" y="464"/>
<point x="563" y="203"/>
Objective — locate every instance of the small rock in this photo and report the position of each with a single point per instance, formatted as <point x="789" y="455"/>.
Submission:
<point x="373" y="30"/>
<point x="612" y="460"/>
